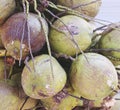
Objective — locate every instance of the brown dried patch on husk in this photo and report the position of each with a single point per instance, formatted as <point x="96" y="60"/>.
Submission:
<point x="73" y="31"/>
<point x="62" y="101"/>
<point x="16" y="28"/>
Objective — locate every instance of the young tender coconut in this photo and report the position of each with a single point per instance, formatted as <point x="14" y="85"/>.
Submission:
<point x="9" y="93"/>
<point x="71" y="36"/>
<point x="25" y="101"/>
<point x="109" y="43"/>
<point x="93" y="76"/>
<point x="22" y="33"/>
<point x="44" y="78"/>
<point x="9" y="99"/>
<point x="6" y="9"/>
<point x="87" y="7"/>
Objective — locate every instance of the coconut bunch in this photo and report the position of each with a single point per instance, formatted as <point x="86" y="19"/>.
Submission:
<point x="53" y="57"/>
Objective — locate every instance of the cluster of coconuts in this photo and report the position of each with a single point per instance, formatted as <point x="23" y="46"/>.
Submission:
<point x="51" y="67"/>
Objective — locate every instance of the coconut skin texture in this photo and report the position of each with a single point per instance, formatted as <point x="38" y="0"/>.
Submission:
<point x="93" y="76"/>
<point x="61" y="101"/>
<point x="16" y="28"/>
<point x="87" y="7"/>
<point x="26" y="103"/>
<point x="40" y="81"/>
<point x="110" y="40"/>
<point x="7" y="7"/>
<point x="30" y="102"/>
<point x="63" y="42"/>
<point x="9" y="99"/>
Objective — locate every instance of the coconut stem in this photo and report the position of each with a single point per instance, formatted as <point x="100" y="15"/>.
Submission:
<point x="10" y="73"/>
<point x="5" y="65"/>
<point x="100" y="28"/>
<point x="23" y="3"/>
<point x="25" y="6"/>
<point x="21" y="43"/>
<point x="47" y="40"/>
<point x="28" y="28"/>
<point x="24" y="103"/>
<point x="105" y="50"/>
<point x="51" y="24"/>
<point x="22" y="35"/>
<point x="68" y="10"/>
<point x="26" y="63"/>
<point x="26" y="11"/>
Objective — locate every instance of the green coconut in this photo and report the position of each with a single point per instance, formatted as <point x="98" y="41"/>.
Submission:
<point x="73" y="34"/>
<point x="44" y="78"/>
<point x="87" y="7"/>
<point x="9" y="99"/>
<point x="93" y="76"/>
<point x="14" y="97"/>
<point x="62" y="101"/>
<point x="109" y="43"/>
<point x="25" y="103"/>
<point x="21" y="33"/>
<point x="6" y="9"/>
